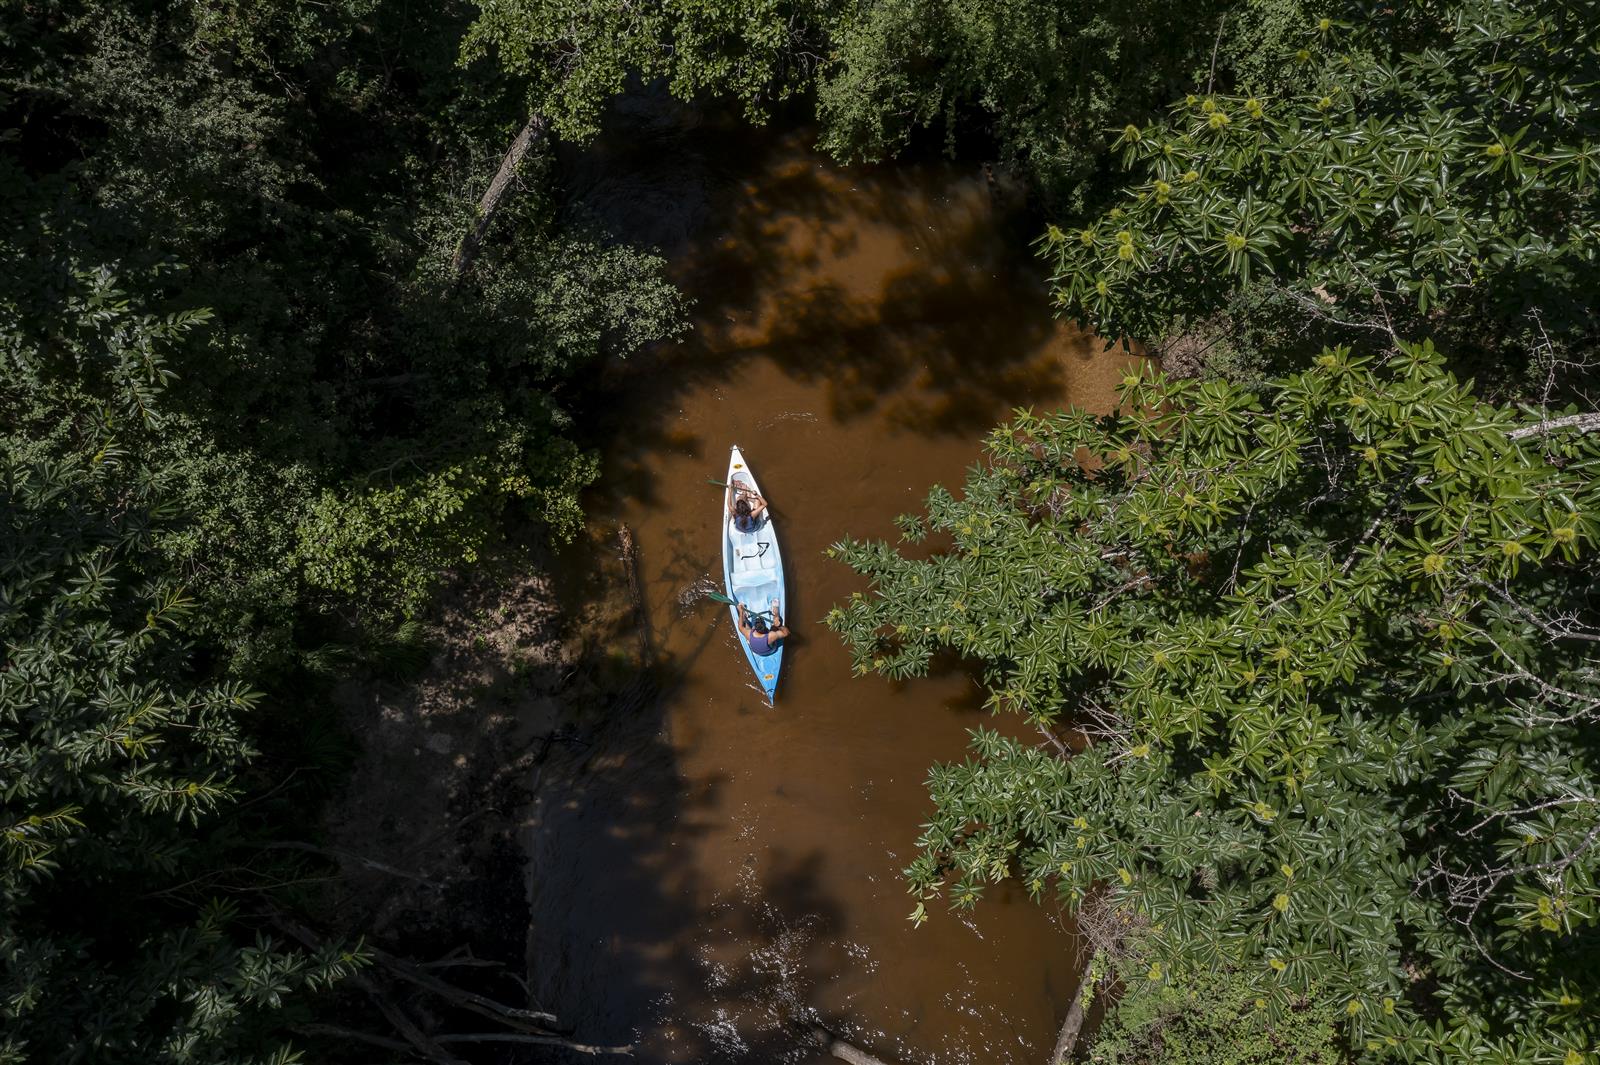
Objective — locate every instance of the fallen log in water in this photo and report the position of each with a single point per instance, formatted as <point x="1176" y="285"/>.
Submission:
<point x="641" y="614"/>
<point x="1067" y="1041"/>
<point x="826" y="1040"/>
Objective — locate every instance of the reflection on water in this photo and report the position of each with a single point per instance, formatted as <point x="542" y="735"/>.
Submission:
<point x="712" y="871"/>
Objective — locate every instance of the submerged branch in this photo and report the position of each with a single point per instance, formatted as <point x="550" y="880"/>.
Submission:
<point x="334" y="852"/>
<point x="832" y="1044"/>
<point x="546" y="1040"/>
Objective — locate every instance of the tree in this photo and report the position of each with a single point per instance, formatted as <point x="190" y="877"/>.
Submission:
<point x="143" y="913"/>
<point x="355" y="419"/>
<point x="1432" y="167"/>
<point x="1217" y="1024"/>
<point x="1039" y="82"/>
<point x="1328" y="653"/>
<point x="116" y="753"/>
<point x="574" y="58"/>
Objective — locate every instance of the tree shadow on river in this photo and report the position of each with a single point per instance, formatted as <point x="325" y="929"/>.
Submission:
<point x="518" y="803"/>
<point x="907" y="293"/>
<point x="627" y="941"/>
<point x="628" y="945"/>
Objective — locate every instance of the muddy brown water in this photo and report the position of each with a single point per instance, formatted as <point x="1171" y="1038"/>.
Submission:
<point x="710" y="867"/>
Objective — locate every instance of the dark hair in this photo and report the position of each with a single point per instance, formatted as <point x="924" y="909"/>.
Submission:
<point x="742" y="508"/>
<point x="759" y="624"/>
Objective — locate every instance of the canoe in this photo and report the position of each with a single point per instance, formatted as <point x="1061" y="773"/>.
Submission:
<point x="752" y="572"/>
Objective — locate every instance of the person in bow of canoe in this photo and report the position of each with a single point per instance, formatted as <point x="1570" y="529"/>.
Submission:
<point x="745" y="508"/>
<point x="762" y="637"/>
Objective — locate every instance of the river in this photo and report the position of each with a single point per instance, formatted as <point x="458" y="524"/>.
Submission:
<point x="714" y="867"/>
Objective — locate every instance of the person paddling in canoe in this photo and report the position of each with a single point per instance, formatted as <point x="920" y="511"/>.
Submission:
<point x="762" y="637"/>
<point x="745" y="507"/>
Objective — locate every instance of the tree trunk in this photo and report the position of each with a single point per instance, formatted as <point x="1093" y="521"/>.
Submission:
<point x="1067" y="1041"/>
<point x="467" y="250"/>
<point x="641" y="616"/>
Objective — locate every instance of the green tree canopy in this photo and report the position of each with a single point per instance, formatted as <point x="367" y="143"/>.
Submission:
<point x="1039" y="81"/>
<point x="354" y="419"/>
<point x="1330" y="651"/>
<point x="1213" y="1024"/>
<point x="574" y="57"/>
<point x="116" y="751"/>
<point x="1430" y="159"/>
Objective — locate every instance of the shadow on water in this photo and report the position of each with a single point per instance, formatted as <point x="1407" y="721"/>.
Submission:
<point x="626" y="937"/>
<point x="903" y="292"/>
<point x="626" y="941"/>
<point x="632" y="941"/>
<point x="475" y="828"/>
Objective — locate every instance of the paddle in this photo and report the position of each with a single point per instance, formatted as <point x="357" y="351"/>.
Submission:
<point x="720" y="598"/>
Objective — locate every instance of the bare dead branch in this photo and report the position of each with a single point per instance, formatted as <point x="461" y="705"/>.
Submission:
<point x="334" y="852"/>
<point x="1561" y="627"/>
<point x="467" y="250"/>
<point x="1211" y="78"/>
<point x="350" y="1033"/>
<point x="1054" y="741"/>
<point x="1067" y="1038"/>
<point x="531" y="1022"/>
<point x="545" y="1040"/>
<point x="1584" y="423"/>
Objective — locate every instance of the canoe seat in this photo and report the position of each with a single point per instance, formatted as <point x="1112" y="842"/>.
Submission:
<point x="752" y="578"/>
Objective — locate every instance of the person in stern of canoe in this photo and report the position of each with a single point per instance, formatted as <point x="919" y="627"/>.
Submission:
<point x="745" y="508"/>
<point x="762" y="637"/>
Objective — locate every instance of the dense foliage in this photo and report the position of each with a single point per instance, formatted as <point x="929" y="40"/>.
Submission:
<point x="116" y="751"/>
<point x="1332" y="649"/>
<point x="1330" y="639"/>
<point x="1326" y="635"/>
<point x="1040" y="82"/>
<point x="1429" y="168"/>
<point x="1216" y="1024"/>
<point x="576" y="57"/>
<point x="249" y="416"/>
<point x="355" y="418"/>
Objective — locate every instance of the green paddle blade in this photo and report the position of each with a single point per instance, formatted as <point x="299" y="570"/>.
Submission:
<point x="719" y="484"/>
<point x="720" y="598"/>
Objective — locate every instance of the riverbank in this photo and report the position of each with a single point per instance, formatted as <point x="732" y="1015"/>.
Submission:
<point x="427" y="832"/>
